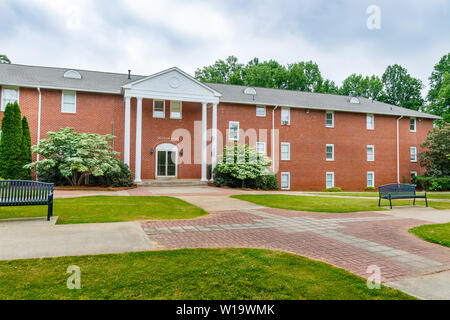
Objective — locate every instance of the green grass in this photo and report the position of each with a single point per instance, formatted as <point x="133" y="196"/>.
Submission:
<point x="430" y="195"/>
<point x="187" y="274"/>
<point x="109" y="209"/>
<point x="329" y="204"/>
<point x="436" y="233"/>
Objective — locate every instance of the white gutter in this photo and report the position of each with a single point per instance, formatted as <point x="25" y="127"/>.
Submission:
<point x="273" y="138"/>
<point x="398" y="151"/>
<point x="39" y="120"/>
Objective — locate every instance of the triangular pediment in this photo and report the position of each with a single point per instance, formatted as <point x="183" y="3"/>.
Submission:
<point x="172" y="84"/>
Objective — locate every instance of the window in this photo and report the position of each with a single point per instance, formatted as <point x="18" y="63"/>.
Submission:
<point x="413" y="153"/>
<point x="413" y="176"/>
<point x="261" y="147"/>
<point x="9" y="96"/>
<point x="330" y="180"/>
<point x="175" y="109"/>
<point x="159" y="107"/>
<point x="371" y="179"/>
<point x="285" y="180"/>
<point x="370" y="153"/>
<point x="370" y="122"/>
<point x="285" y="116"/>
<point x="330" y="152"/>
<point x="329" y="119"/>
<point x="233" y="131"/>
<point x="260" y="111"/>
<point x="412" y="124"/>
<point x="69" y="102"/>
<point x="285" y="151"/>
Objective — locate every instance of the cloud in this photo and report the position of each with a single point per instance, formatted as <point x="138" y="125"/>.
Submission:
<point x="148" y="36"/>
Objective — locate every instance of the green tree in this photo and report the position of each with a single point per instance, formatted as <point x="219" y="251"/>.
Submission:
<point x="439" y="97"/>
<point x="75" y="154"/>
<point x="228" y="71"/>
<point x="401" y="89"/>
<point x="435" y="158"/>
<point x="330" y="87"/>
<point x="267" y="74"/>
<point x="11" y="165"/>
<point x="359" y="86"/>
<point x="4" y="59"/>
<point x="305" y="76"/>
<point x="27" y="157"/>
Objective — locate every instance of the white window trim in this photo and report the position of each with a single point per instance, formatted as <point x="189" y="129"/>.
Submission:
<point x="229" y="130"/>
<point x="373" y="153"/>
<point x="281" y="153"/>
<point x="62" y="101"/>
<point x="326" y="147"/>
<point x="326" y="175"/>
<point x="181" y="110"/>
<point x="261" y="143"/>
<point x="289" y="120"/>
<point x="415" y="153"/>
<point x="373" y="178"/>
<point x="367" y="122"/>
<point x="289" y="181"/>
<point x="261" y="107"/>
<point x="164" y="109"/>
<point x="326" y="124"/>
<point x="415" y="124"/>
<point x="3" y="106"/>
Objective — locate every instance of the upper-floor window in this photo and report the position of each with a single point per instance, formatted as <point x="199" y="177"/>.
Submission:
<point x="69" y="102"/>
<point x="330" y="152"/>
<point x="330" y="180"/>
<point x="159" y="107"/>
<point x="370" y="153"/>
<point x="285" y="151"/>
<point x="233" y="133"/>
<point x="261" y="147"/>
<point x="9" y="96"/>
<point x="412" y="124"/>
<point x="285" y="116"/>
<point x="260" y="111"/>
<point x="175" y="109"/>
<point x="329" y="119"/>
<point x="370" y="122"/>
<point x="413" y="153"/>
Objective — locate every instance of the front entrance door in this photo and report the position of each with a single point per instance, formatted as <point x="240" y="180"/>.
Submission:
<point x="166" y="161"/>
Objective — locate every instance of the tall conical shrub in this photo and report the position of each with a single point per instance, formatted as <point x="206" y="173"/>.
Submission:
<point x="11" y="143"/>
<point x="26" y="149"/>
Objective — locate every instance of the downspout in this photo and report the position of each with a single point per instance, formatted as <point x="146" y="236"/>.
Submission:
<point x="273" y="138"/>
<point x="39" y="124"/>
<point x="398" y="151"/>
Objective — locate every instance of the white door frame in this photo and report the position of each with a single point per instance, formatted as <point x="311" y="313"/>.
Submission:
<point x="166" y="147"/>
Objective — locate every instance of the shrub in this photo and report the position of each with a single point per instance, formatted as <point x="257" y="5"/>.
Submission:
<point x="51" y="175"/>
<point x="370" y="189"/>
<point x="265" y="182"/>
<point x="334" y="189"/>
<point x="26" y="149"/>
<point x="123" y="178"/>
<point x="432" y="183"/>
<point x="11" y="164"/>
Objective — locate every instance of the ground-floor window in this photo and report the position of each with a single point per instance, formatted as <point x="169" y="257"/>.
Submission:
<point x="371" y="179"/>
<point x="330" y="179"/>
<point x="413" y="176"/>
<point x="285" y="180"/>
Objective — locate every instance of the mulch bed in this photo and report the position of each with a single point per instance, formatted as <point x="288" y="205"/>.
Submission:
<point x="93" y="188"/>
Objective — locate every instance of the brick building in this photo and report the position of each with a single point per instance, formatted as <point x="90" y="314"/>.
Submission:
<point x="171" y="126"/>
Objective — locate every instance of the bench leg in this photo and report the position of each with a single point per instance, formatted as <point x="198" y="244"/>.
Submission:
<point x="390" y="202"/>
<point x="379" y="202"/>
<point x="50" y="209"/>
<point x="426" y="202"/>
<point x="414" y="203"/>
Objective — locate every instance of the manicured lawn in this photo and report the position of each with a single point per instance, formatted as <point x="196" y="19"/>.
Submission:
<point x="186" y="274"/>
<point x="109" y="209"/>
<point x="329" y="204"/>
<point x="430" y="195"/>
<point x="437" y="233"/>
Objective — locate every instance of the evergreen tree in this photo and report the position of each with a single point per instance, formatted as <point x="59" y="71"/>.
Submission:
<point x="26" y="149"/>
<point x="11" y="143"/>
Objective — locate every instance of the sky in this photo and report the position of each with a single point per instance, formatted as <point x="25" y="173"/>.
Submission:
<point x="150" y="36"/>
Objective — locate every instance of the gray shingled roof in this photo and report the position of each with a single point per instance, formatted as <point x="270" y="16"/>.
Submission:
<point x="95" y="81"/>
<point x="299" y="99"/>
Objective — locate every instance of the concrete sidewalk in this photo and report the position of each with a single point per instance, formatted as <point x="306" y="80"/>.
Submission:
<point x="36" y="238"/>
<point x="430" y="287"/>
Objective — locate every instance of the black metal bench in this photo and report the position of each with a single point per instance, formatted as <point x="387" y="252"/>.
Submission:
<point x="26" y="193"/>
<point x="399" y="191"/>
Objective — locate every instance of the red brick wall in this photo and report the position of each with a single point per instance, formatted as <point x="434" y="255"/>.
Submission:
<point x="307" y="135"/>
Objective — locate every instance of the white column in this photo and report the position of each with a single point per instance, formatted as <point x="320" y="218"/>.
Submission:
<point x="126" y="148"/>
<point x="138" y="156"/>
<point x="214" y="140"/>
<point x="204" y="128"/>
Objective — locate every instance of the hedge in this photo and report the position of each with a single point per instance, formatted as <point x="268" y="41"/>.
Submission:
<point x="432" y="183"/>
<point x="264" y="182"/>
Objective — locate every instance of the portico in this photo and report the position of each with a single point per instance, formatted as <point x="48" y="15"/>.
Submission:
<point x="169" y="85"/>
